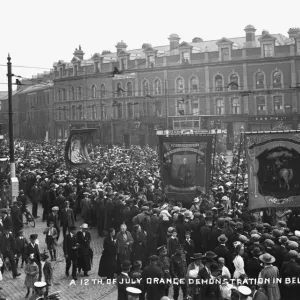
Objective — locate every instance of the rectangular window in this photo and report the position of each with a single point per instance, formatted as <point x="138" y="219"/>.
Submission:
<point x="157" y="108"/>
<point x="261" y="105"/>
<point x="220" y="107"/>
<point x="75" y="70"/>
<point x="225" y="54"/>
<point x="97" y="67"/>
<point x="176" y="125"/>
<point x="94" y="112"/>
<point x="181" y="107"/>
<point x="130" y="110"/>
<point x="123" y="63"/>
<point x="103" y="112"/>
<point x="195" y="107"/>
<point x="73" y="113"/>
<point x="151" y="61"/>
<point x="235" y="106"/>
<point x="119" y="111"/>
<point x="80" y="112"/>
<point x="185" y="57"/>
<point x="278" y="104"/>
<point x="268" y="50"/>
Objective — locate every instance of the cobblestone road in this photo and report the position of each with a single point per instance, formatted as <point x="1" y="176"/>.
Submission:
<point x="13" y="289"/>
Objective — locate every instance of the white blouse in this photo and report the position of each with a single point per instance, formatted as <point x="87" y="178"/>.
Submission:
<point x="239" y="267"/>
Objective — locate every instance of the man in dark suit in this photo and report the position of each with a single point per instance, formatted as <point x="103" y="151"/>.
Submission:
<point x="189" y="247"/>
<point x="6" y="219"/>
<point x="17" y="218"/>
<point x="153" y="291"/>
<point x="67" y="218"/>
<point x="121" y="280"/>
<point x="135" y="189"/>
<point x="53" y="217"/>
<point x="281" y="251"/>
<point x="205" y="232"/>
<point x="290" y="269"/>
<point x="8" y="250"/>
<point x="84" y="251"/>
<point x="254" y="265"/>
<point x="223" y="251"/>
<point x="216" y="232"/>
<point x="260" y="294"/>
<point x="33" y="248"/>
<point x="70" y="248"/>
<point x="60" y="201"/>
<point x="135" y="210"/>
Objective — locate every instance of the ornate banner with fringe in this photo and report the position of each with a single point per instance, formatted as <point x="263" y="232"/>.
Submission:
<point x="185" y="164"/>
<point x="76" y="154"/>
<point x="274" y="169"/>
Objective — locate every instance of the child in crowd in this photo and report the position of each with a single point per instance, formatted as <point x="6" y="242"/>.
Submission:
<point x="51" y="239"/>
<point x="31" y="271"/>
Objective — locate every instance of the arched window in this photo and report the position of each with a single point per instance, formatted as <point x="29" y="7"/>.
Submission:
<point x="102" y="91"/>
<point x="129" y="88"/>
<point x="277" y="79"/>
<point x="94" y="92"/>
<point x="219" y="83"/>
<point x="157" y="87"/>
<point x="79" y="93"/>
<point x="233" y="82"/>
<point x="194" y="85"/>
<point x="179" y="85"/>
<point x="145" y="88"/>
<point x="119" y="89"/>
<point x="260" y="80"/>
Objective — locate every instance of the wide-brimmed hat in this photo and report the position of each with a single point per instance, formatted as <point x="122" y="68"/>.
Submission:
<point x="40" y="284"/>
<point x="55" y="208"/>
<point x="196" y="200"/>
<point x="175" y="209"/>
<point x="222" y="239"/>
<point x="209" y="254"/>
<point x="267" y="258"/>
<point x="84" y="226"/>
<point x="197" y="256"/>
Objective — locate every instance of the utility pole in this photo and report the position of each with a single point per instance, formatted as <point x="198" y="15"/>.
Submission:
<point x="14" y="179"/>
<point x="166" y="104"/>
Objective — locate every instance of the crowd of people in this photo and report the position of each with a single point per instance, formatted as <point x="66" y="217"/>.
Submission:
<point x="146" y="234"/>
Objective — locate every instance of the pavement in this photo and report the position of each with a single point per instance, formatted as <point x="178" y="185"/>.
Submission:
<point x="87" y="288"/>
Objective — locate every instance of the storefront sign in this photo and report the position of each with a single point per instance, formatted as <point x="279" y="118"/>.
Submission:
<point x="180" y="132"/>
<point x="125" y="76"/>
<point x="270" y="118"/>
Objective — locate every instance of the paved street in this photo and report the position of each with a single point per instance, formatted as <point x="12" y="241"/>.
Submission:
<point x="13" y="289"/>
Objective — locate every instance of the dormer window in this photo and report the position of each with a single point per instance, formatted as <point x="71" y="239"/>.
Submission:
<point x="75" y="70"/>
<point x="225" y="54"/>
<point x="97" y="67"/>
<point x="185" y="57"/>
<point x="123" y="63"/>
<point x="268" y="50"/>
<point x="150" y="61"/>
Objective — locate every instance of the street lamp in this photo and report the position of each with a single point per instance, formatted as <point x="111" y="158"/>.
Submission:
<point x="4" y="162"/>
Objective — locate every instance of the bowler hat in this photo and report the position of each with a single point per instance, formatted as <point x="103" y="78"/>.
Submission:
<point x="153" y="258"/>
<point x="222" y="239"/>
<point x="293" y="254"/>
<point x="196" y="256"/>
<point x="209" y="254"/>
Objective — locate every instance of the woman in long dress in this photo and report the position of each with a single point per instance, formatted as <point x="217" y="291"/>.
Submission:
<point x="238" y="262"/>
<point x="269" y="277"/>
<point x="108" y="261"/>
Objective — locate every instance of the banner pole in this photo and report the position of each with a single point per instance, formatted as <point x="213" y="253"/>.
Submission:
<point x="214" y="157"/>
<point x="238" y="166"/>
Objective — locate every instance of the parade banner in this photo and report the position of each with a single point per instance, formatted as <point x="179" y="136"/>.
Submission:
<point x="185" y="165"/>
<point x="274" y="169"/>
<point x="76" y="154"/>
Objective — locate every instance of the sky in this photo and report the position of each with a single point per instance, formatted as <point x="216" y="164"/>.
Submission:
<point x="38" y="33"/>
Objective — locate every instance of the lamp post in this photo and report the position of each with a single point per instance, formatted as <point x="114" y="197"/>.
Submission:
<point x="14" y="179"/>
<point x="3" y="177"/>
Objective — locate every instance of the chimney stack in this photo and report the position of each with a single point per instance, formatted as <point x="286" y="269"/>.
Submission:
<point x="250" y="36"/>
<point x="174" y="41"/>
<point x="79" y="53"/>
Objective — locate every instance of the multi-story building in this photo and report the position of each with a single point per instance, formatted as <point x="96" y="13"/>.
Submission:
<point x="36" y="109"/>
<point x="249" y="81"/>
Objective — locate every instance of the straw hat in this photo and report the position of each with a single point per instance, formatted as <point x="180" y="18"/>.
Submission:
<point x="267" y="258"/>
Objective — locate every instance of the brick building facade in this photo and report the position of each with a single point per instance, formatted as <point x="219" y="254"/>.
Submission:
<point x="251" y="81"/>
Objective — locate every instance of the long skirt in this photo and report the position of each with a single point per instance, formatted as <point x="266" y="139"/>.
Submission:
<point x="107" y="265"/>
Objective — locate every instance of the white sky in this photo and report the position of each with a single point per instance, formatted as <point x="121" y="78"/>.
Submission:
<point x="38" y="33"/>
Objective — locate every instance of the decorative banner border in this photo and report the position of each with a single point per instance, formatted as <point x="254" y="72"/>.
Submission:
<point x="255" y="144"/>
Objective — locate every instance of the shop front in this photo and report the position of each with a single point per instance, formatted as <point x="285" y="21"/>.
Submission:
<point x="271" y="123"/>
